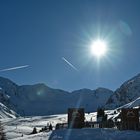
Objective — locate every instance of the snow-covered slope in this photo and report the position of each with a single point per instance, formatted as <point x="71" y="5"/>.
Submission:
<point x="5" y="112"/>
<point x="20" y="128"/>
<point x="135" y="103"/>
<point x="40" y="99"/>
<point x="128" y="92"/>
<point x="91" y="99"/>
<point x="9" y="86"/>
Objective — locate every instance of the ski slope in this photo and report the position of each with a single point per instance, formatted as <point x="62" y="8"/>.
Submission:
<point x="20" y="128"/>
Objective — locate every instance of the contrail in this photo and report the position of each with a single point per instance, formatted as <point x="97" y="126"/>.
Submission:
<point x="69" y="63"/>
<point x="14" y="68"/>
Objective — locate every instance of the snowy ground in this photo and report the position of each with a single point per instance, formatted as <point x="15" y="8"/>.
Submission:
<point x="94" y="134"/>
<point x="15" y="128"/>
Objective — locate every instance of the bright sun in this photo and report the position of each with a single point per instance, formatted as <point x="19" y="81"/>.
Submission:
<point x="98" y="48"/>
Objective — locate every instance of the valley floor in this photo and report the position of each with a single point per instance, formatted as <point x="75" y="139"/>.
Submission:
<point x="20" y="128"/>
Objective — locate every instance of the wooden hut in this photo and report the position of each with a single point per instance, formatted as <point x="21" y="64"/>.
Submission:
<point x="76" y="117"/>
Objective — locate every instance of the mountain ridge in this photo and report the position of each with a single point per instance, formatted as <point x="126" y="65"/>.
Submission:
<point x="40" y="99"/>
<point x="127" y="92"/>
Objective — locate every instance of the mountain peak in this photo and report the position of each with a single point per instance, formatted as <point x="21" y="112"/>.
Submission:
<point x="127" y="92"/>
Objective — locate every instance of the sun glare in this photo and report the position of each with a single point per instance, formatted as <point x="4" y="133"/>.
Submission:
<point x="98" y="48"/>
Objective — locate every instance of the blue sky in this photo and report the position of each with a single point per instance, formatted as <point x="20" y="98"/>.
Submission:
<point x="39" y="33"/>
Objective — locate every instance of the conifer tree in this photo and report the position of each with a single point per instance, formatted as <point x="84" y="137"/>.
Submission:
<point x="2" y="134"/>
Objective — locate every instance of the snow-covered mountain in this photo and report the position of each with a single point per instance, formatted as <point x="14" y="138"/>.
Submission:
<point x="128" y="92"/>
<point x="5" y="105"/>
<point x="5" y="112"/>
<point x="40" y="99"/>
<point x="133" y="104"/>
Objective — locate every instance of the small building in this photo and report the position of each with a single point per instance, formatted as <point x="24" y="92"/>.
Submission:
<point x="129" y="119"/>
<point x="76" y="117"/>
<point x="101" y="118"/>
